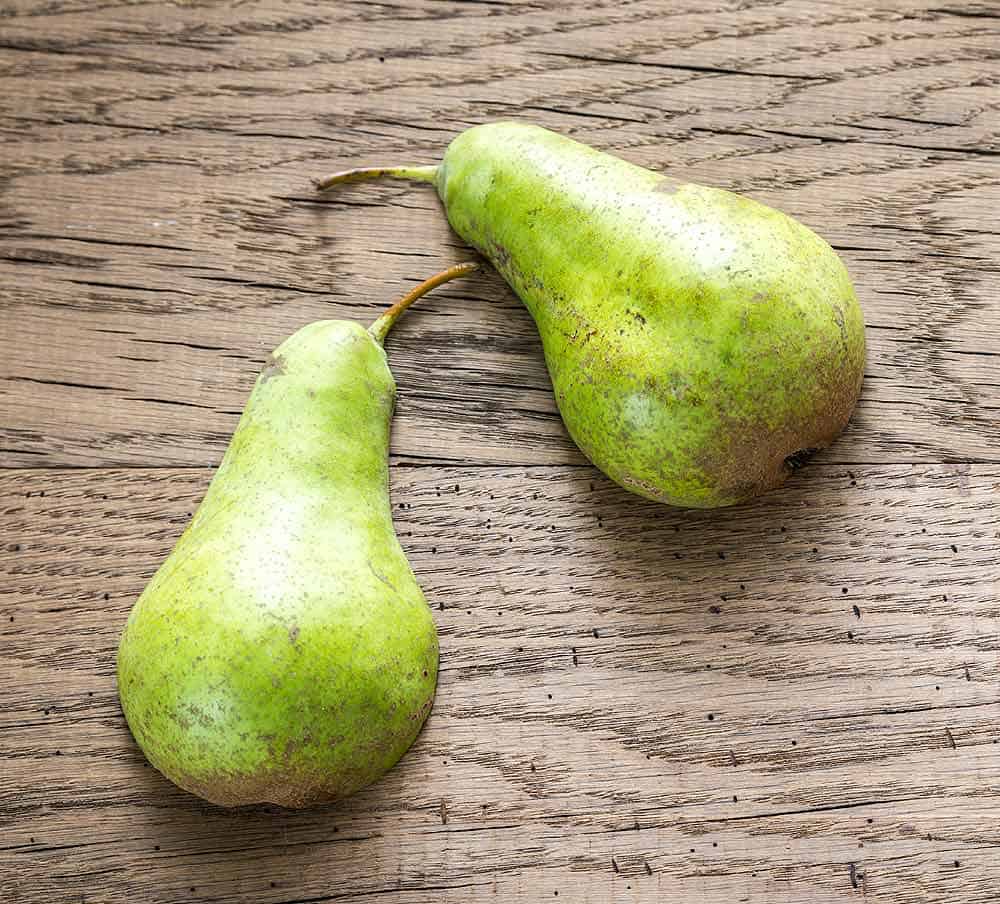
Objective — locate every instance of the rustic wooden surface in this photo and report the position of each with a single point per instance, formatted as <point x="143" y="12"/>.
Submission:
<point x="793" y="701"/>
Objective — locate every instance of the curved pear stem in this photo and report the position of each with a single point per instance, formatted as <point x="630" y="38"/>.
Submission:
<point x="417" y="173"/>
<point x="380" y="328"/>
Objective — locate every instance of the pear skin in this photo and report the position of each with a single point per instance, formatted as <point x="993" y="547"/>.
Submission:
<point x="284" y="652"/>
<point x="701" y="345"/>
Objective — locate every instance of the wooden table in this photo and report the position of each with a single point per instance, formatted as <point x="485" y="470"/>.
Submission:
<point x="791" y="701"/>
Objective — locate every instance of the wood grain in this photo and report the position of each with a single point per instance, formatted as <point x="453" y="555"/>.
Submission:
<point x="789" y="702"/>
<point x="623" y="686"/>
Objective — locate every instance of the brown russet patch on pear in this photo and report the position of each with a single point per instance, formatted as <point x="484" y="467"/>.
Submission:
<point x="759" y="458"/>
<point x="275" y="367"/>
<point x="285" y="786"/>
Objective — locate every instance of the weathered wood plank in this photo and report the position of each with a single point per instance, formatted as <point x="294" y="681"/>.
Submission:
<point x="623" y="685"/>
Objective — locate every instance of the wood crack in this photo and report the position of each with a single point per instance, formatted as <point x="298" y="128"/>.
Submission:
<point x="708" y="70"/>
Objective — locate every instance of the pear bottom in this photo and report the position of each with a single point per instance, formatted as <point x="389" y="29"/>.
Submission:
<point x="282" y="719"/>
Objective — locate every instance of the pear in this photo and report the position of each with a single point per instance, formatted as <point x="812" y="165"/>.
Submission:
<point x="284" y="652"/>
<point x="701" y="345"/>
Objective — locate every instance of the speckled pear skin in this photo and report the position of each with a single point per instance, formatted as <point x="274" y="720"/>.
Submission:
<point x="701" y="345"/>
<point x="284" y="652"/>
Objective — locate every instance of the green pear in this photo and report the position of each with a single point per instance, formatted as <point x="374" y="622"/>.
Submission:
<point x="284" y="653"/>
<point x="701" y="345"/>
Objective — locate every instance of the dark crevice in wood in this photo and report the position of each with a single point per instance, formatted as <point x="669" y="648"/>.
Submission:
<point x="709" y="70"/>
<point x="846" y="139"/>
<point x="67" y="383"/>
<point x="42" y="46"/>
<point x="421" y="127"/>
<point x="194" y="345"/>
<point x="897" y="711"/>
<point x="176" y="402"/>
<point x="89" y="240"/>
<point x="929" y="122"/>
<point x="455" y="830"/>
<point x="393" y="253"/>
<point x="563" y="112"/>
<point x="828" y="808"/>
<point x="393" y="890"/>
<point x="328" y="201"/>
<point x="971" y="13"/>
<point x="254" y="284"/>
<point x="976" y="152"/>
<point x="209" y="852"/>
<point x="126" y="286"/>
<point x="80" y="121"/>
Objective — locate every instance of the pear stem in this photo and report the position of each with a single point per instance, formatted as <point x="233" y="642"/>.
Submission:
<point x="380" y="328"/>
<point x="418" y="173"/>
